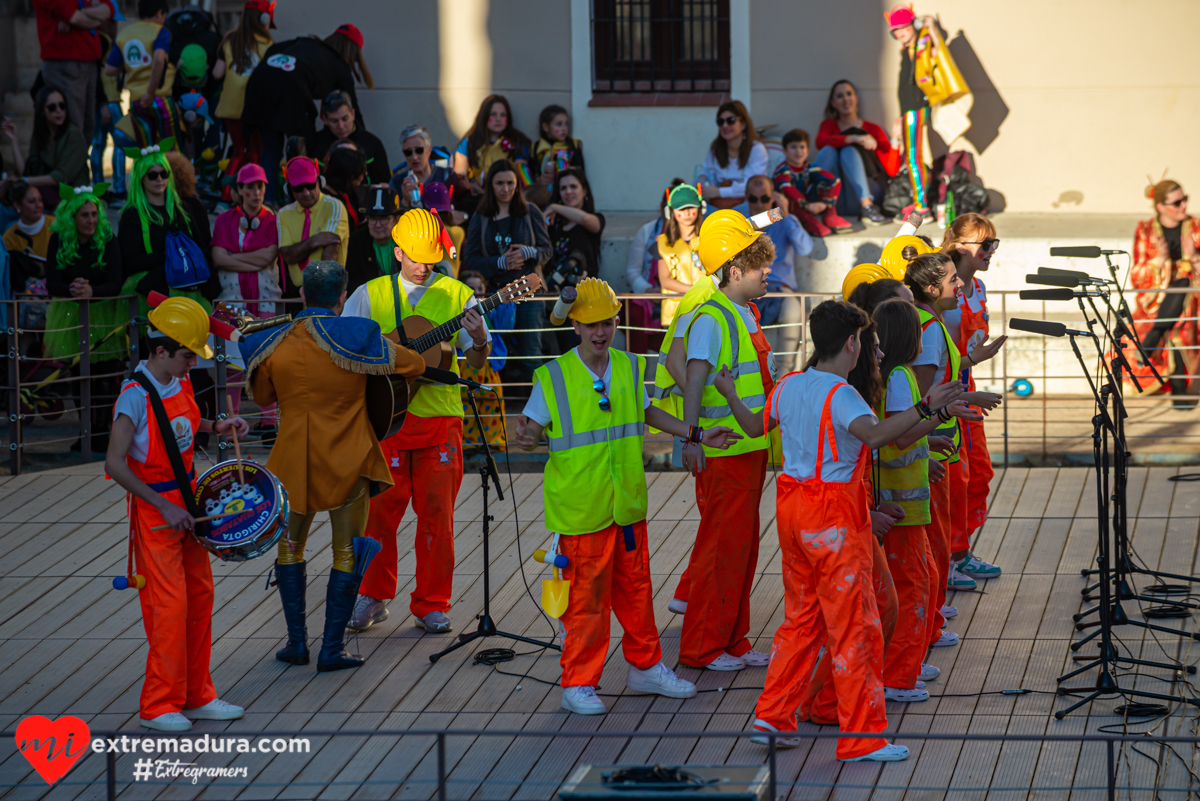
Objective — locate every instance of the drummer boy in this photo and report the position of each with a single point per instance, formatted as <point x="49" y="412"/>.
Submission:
<point x="177" y="598"/>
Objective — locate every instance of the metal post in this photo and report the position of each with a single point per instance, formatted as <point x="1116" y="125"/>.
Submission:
<point x="14" y="392"/>
<point x="85" y="376"/>
<point x="220" y="359"/>
<point x="1004" y="369"/>
<point x="773" y="791"/>
<point x="134" y="332"/>
<point x="110" y="775"/>
<point x="1112" y="773"/>
<point x="441" y="759"/>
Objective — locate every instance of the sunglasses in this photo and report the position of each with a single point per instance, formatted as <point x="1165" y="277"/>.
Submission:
<point x="409" y="151"/>
<point x="987" y="245"/>
<point x="158" y="175"/>
<point x="758" y="198"/>
<point x="304" y="187"/>
<point x="726" y="120"/>
<point x="605" y="405"/>
<point x="1175" y="203"/>
<point x="56" y="107"/>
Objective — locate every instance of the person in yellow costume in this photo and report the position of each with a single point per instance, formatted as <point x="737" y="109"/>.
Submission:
<point x="592" y="405"/>
<point x="678" y="266"/>
<point x="425" y="456"/>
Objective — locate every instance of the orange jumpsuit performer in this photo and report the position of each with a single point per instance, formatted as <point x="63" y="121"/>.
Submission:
<point x="724" y="332"/>
<point x="177" y="597"/>
<point x="592" y="404"/>
<point x="425" y="456"/>
<point x="823" y="517"/>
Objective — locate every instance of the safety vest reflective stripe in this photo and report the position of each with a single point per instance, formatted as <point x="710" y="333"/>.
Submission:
<point x="952" y="367"/>
<point x="738" y="370"/>
<point x="900" y="495"/>
<point x="906" y="458"/>
<point x="904" y="473"/>
<point x="748" y="378"/>
<point x="572" y="439"/>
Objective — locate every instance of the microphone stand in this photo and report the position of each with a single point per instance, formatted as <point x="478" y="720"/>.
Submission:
<point x="1106" y="683"/>
<point x="487" y="626"/>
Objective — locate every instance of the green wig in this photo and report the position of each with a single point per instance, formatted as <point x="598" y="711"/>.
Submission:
<point x="73" y="199"/>
<point x="143" y="160"/>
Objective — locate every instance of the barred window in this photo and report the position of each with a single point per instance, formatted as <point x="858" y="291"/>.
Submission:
<point x="660" y="45"/>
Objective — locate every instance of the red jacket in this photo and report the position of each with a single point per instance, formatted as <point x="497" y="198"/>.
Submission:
<point x="830" y="135"/>
<point x="75" y="45"/>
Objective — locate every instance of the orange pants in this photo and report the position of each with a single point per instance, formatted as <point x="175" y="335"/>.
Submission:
<point x="819" y="702"/>
<point x="177" y="604"/>
<point x="960" y="535"/>
<point x="430" y="478"/>
<point x="725" y="558"/>
<point x="830" y="606"/>
<point x="606" y="579"/>
<point x="938" y="534"/>
<point x="979" y="473"/>
<point x="909" y="559"/>
<point x="685" y="579"/>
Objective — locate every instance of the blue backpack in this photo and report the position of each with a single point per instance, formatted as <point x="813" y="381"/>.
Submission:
<point x="186" y="266"/>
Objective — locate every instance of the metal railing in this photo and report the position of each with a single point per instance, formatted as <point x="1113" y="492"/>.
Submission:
<point x="1058" y="393"/>
<point x="439" y="778"/>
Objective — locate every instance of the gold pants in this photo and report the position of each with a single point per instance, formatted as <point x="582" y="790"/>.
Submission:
<point x="348" y="521"/>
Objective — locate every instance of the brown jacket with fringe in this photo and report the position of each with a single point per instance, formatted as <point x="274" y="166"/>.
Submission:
<point x="325" y="440"/>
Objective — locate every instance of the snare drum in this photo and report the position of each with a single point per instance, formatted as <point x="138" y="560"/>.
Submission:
<point x="262" y="500"/>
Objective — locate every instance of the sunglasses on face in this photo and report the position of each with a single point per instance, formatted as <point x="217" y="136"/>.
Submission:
<point x="726" y="120"/>
<point x="158" y="175"/>
<point x="410" y="151"/>
<point x="986" y="245"/>
<point x="758" y="198"/>
<point x="605" y="405"/>
<point x="1175" y="203"/>
<point x="56" y="107"/>
<point x="304" y="187"/>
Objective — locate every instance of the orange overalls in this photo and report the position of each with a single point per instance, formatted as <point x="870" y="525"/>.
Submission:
<point x="177" y="600"/>
<point x="973" y="329"/>
<point x="825" y="535"/>
<point x="426" y="461"/>
<point x="607" y="577"/>
<point x="726" y="549"/>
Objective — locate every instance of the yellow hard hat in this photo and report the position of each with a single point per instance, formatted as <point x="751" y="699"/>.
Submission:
<point x="185" y="321"/>
<point x="420" y="234"/>
<point x="723" y="235"/>
<point x="892" y="259"/>
<point x="596" y="301"/>
<point x="862" y="274"/>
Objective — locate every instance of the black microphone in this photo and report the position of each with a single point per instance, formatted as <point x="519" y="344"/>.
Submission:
<point x="1085" y="252"/>
<point x="1052" y="279"/>
<point x="1046" y="294"/>
<point x="1057" y="271"/>
<point x="1045" y="328"/>
<point x="447" y="377"/>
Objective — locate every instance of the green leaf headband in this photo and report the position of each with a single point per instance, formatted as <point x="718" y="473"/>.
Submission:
<point x="139" y="153"/>
<point x="66" y="190"/>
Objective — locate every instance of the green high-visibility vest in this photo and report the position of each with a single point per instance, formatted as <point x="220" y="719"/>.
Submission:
<point x="443" y="300"/>
<point x="741" y="357"/>
<point x="666" y="394"/>
<point x="904" y="472"/>
<point x="595" y="476"/>
<point x="952" y="366"/>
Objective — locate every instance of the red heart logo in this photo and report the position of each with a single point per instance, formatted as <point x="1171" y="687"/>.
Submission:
<point x="53" y="746"/>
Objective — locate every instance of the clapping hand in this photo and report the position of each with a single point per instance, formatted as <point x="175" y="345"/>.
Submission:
<point x="514" y="259"/>
<point x="945" y="394"/>
<point x="720" y="437"/>
<point x="940" y="444"/>
<point x="987" y="350"/>
<point x="962" y="410"/>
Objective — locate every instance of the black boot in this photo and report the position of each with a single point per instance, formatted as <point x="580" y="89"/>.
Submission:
<point x="1179" y="387"/>
<point x="339" y="605"/>
<point x="292" y="583"/>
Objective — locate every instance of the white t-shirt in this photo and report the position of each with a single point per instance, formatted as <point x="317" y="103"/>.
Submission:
<point x="704" y="338"/>
<point x="538" y="411"/>
<point x="132" y="404"/>
<point x="359" y="305"/>
<point x="933" y="351"/>
<point x="899" y="396"/>
<point x="798" y="402"/>
<point x="681" y="327"/>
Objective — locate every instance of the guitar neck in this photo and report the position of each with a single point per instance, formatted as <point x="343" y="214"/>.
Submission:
<point x="451" y="326"/>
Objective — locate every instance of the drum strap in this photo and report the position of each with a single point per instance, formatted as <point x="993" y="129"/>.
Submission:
<point x="396" y="304"/>
<point x="168" y="436"/>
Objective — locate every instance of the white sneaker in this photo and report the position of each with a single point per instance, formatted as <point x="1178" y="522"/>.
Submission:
<point x="215" y="709"/>
<point x="905" y="696"/>
<point x="920" y="685"/>
<point x="660" y="680"/>
<point x="929" y="672"/>
<point x="949" y="612"/>
<point x="780" y="742"/>
<point x="582" y="701"/>
<point x="726" y="662"/>
<point x="947" y="639"/>
<point x="754" y="658"/>
<point x="677" y="606"/>
<point x="171" y="721"/>
<point x="889" y="753"/>
<point x="957" y="581"/>
<point x="367" y="612"/>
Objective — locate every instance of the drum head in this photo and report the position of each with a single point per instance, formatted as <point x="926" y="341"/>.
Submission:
<point x="262" y="507"/>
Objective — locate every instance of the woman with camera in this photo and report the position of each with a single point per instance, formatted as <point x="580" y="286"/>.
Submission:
<point x="575" y="230"/>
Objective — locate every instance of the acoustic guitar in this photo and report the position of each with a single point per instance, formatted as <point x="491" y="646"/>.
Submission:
<point x="388" y="396"/>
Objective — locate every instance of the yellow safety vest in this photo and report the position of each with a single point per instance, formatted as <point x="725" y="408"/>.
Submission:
<point x="904" y="473"/>
<point x="741" y="357"/>
<point x="684" y="265"/>
<point x="595" y="475"/>
<point x="666" y="394"/>
<point x="443" y="300"/>
<point x="949" y="429"/>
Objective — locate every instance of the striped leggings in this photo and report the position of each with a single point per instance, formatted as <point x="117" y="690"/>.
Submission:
<point x="914" y="153"/>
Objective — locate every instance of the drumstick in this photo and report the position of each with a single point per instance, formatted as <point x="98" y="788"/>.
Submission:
<point x="206" y="518"/>
<point x="237" y="449"/>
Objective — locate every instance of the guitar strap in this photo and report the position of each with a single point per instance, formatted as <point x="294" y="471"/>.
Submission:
<point x="396" y="305"/>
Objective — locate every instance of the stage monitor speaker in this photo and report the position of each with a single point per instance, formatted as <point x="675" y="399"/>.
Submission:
<point x="702" y="783"/>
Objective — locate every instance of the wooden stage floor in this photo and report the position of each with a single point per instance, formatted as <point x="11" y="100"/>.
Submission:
<point x="73" y="645"/>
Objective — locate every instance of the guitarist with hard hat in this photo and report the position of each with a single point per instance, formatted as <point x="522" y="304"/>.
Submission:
<point x="425" y="456"/>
